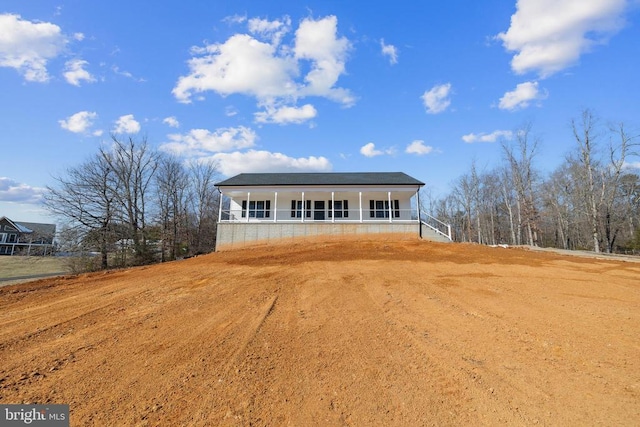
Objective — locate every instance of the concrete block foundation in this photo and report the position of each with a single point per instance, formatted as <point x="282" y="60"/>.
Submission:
<point x="237" y="235"/>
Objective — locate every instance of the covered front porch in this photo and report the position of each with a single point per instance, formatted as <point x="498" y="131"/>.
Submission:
<point x="321" y="205"/>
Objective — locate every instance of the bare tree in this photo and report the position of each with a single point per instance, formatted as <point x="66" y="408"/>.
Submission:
<point x="172" y="183"/>
<point x="613" y="216"/>
<point x="591" y="201"/>
<point x="585" y="135"/>
<point x="204" y="202"/>
<point x="508" y="199"/>
<point x="85" y="199"/>
<point x="630" y="202"/>
<point x="133" y="165"/>
<point x="520" y="160"/>
<point x="557" y="201"/>
<point x="490" y="199"/>
<point x="463" y="192"/>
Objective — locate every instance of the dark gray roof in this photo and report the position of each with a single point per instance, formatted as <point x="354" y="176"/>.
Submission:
<point x="329" y="178"/>
<point x="17" y="226"/>
<point x="48" y="230"/>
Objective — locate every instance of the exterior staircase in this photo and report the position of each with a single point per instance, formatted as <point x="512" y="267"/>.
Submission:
<point x="433" y="229"/>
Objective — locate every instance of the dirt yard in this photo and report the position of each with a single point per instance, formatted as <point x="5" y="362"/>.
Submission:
<point x="374" y="332"/>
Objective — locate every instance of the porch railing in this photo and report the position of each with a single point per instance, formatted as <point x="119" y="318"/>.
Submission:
<point x="436" y="225"/>
<point x="312" y="215"/>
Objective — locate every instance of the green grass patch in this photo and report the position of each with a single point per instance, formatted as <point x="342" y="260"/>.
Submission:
<point x="20" y="266"/>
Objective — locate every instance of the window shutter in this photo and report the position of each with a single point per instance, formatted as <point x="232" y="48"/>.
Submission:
<point x="244" y="209"/>
<point x="345" y="206"/>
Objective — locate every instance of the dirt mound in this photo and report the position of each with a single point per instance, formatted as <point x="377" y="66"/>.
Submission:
<point x="373" y="332"/>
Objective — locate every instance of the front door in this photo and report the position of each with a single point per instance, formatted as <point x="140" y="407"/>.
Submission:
<point x="318" y="210"/>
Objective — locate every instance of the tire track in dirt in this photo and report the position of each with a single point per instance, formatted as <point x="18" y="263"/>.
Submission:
<point x="501" y="375"/>
<point x="462" y="373"/>
<point x="252" y="330"/>
<point x="315" y="342"/>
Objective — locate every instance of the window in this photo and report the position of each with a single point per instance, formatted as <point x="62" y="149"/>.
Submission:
<point x="340" y="208"/>
<point x="257" y="208"/>
<point x="380" y="208"/>
<point x="296" y="209"/>
<point x="13" y="238"/>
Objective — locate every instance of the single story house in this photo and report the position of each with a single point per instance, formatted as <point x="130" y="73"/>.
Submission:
<point x="275" y="206"/>
<point x="26" y="238"/>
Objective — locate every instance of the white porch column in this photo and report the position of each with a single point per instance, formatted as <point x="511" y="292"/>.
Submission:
<point x="333" y="207"/>
<point x="360" y="200"/>
<point x="304" y="211"/>
<point x="248" y="201"/>
<point x="220" y="208"/>
<point x="418" y="204"/>
<point x="390" y="207"/>
<point x="275" y="207"/>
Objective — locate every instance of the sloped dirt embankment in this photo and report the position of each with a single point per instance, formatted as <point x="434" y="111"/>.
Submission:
<point x="333" y="333"/>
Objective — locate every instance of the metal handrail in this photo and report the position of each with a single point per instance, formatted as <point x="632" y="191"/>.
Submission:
<point x="435" y="228"/>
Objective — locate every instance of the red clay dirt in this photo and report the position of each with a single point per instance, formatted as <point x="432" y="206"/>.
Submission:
<point x="375" y="332"/>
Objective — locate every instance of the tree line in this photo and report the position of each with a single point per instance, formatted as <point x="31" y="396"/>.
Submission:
<point x="134" y="205"/>
<point x="591" y="201"/>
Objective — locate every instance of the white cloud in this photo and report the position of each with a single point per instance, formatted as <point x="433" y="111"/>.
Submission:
<point x="235" y="19"/>
<point x="436" y="100"/>
<point x="487" y="137"/>
<point x="79" y="122"/>
<point x="127" y="74"/>
<point x="550" y="35"/>
<point x="260" y="65"/>
<point x="418" y="147"/>
<point x="171" y="121"/>
<point x="273" y="30"/>
<point x="127" y="124"/>
<point x="264" y="161"/>
<point x="317" y="41"/>
<point x="28" y="46"/>
<point x="75" y="72"/>
<point x="370" y="150"/>
<point x="631" y="165"/>
<point x="389" y="50"/>
<point x="521" y="96"/>
<point x="240" y="65"/>
<point x="200" y="142"/>
<point x="285" y="115"/>
<point x="16" y="192"/>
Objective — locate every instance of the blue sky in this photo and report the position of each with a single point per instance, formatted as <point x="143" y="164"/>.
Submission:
<point x="421" y="87"/>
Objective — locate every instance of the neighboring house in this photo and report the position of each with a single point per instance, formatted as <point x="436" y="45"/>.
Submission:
<point x="275" y="206"/>
<point x="25" y="238"/>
